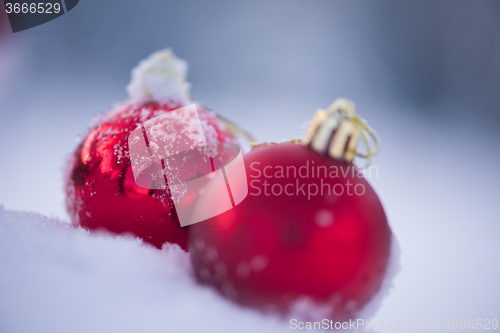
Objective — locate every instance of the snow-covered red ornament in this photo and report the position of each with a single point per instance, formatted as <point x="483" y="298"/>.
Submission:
<point x="311" y="228"/>
<point x="101" y="191"/>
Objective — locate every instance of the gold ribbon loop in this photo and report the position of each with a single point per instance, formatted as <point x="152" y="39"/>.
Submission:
<point x="336" y="132"/>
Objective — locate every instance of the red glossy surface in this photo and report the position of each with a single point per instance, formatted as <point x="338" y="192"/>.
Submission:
<point x="271" y="249"/>
<point x="100" y="187"/>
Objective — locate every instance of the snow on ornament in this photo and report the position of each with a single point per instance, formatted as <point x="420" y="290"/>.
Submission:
<point x="311" y="230"/>
<point x="101" y="192"/>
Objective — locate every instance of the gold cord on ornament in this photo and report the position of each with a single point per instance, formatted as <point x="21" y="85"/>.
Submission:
<point x="337" y="130"/>
<point x="265" y="144"/>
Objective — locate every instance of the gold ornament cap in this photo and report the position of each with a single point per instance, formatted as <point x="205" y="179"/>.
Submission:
<point x="336" y="132"/>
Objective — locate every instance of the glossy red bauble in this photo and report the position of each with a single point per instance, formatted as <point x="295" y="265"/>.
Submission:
<point x="311" y="226"/>
<point x="100" y="186"/>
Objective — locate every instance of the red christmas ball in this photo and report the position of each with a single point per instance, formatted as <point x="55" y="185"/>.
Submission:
<point x="101" y="191"/>
<point x="311" y="226"/>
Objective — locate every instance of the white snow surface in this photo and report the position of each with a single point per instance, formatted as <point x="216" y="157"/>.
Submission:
<point x="56" y="278"/>
<point x="162" y="77"/>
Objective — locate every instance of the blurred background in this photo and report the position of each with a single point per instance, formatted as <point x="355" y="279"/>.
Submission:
<point x="425" y="74"/>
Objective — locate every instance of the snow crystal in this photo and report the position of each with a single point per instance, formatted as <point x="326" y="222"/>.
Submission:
<point x="162" y="78"/>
